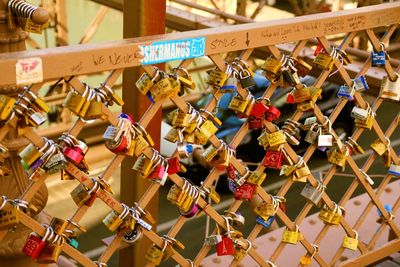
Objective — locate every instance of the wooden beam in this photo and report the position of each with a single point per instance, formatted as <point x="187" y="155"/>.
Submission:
<point x="91" y="58"/>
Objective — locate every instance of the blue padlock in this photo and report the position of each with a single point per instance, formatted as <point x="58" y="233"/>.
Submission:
<point x="346" y="92"/>
<point x="265" y="223"/>
<point x="378" y="58"/>
<point x="360" y="83"/>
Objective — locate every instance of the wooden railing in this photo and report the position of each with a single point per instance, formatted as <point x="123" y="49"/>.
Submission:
<point x="69" y="62"/>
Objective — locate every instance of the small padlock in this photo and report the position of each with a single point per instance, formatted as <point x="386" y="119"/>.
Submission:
<point x="351" y="243"/>
<point x="265" y="223"/>
<point x="225" y="247"/>
<point x="74" y="101"/>
<point x="273" y="159"/>
<point x="323" y="61"/>
<point x="359" y="113"/>
<point x="360" y="83"/>
<point x="246" y="80"/>
<point x="245" y="192"/>
<point x="291" y="237"/>
<point x="276" y="139"/>
<point x="155" y="255"/>
<point x="34" y="244"/>
<point x="81" y="194"/>
<point x="272" y="67"/>
<point x="272" y="114"/>
<point x="378" y="58"/>
<point x="145" y="82"/>
<point x="113" y="220"/>
<point x="256" y="178"/>
<point x="217" y="78"/>
<point x="346" y="92"/>
<point x="240" y="252"/>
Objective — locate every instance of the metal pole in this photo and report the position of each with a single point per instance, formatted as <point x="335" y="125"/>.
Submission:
<point x="141" y="18"/>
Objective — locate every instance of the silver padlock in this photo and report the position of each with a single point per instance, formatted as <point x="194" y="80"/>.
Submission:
<point x="38" y="118"/>
<point x="56" y="163"/>
<point x="213" y="240"/>
<point x="359" y="113"/>
<point x="390" y="89"/>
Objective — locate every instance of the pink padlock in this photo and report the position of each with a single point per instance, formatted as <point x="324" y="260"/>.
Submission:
<point x="73" y="154"/>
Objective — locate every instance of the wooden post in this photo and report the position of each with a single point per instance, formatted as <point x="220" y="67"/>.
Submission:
<point x="139" y="20"/>
<point x="62" y="23"/>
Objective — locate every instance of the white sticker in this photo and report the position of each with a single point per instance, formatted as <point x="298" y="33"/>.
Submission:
<point x="29" y="70"/>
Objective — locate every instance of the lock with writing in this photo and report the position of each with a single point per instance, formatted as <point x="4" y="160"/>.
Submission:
<point x="346" y="92"/>
<point x="245" y="192"/>
<point x="143" y="165"/>
<point x="276" y="139"/>
<point x="291" y="237"/>
<point x="273" y="159"/>
<point x="240" y="251"/>
<point x="217" y="78"/>
<point x="145" y="82"/>
<point x="256" y="178"/>
<point x="81" y="194"/>
<point x="300" y="93"/>
<point x="378" y="58"/>
<point x="155" y="254"/>
<point x="34" y="244"/>
<point x="339" y="158"/>
<point x="301" y="172"/>
<point x="272" y="68"/>
<point x="266" y="210"/>
<point x="390" y="89"/>
<point x="239" y="103"/>
<point x="323" y="61"/>
<point x="332" y="217"/>
<point x="225" y="246"/>
<point x="113" y="220"/>
<point x="350" y="242"/>
<point x="205" y="131"/>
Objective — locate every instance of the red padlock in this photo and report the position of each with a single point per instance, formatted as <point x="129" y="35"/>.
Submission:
<point x="255" y="123"/>
<point x="258" y="110"/>
<point x="230" y="172"/>
<point x="34" y="245"/>
<point x="225" y="247"/>
<point x="173" y="165"/>
<point x="245" y="192"/>
<point x="272" y="114"/>
<point x="120" y="146"/>
<point x="158" y="173"/>
<point x="273" y="159"/>
<point x="73" y="154"/>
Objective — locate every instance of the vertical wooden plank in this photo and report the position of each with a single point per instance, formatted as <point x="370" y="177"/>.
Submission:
<point x="139" y="20"/>
<point x="62" y="23"/>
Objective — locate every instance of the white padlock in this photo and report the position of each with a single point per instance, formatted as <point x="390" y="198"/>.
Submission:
<point x="359" y="113"/>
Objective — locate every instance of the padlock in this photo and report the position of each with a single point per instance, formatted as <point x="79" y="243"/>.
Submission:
<point x="323" y="61"/>
<point x="49" y="253"/>
<point x="30" y="154"/>
<point x="114" y="96"/>
<point x="132" y="236"/>
<point x="159" y="174"/>
<point x="74" y="102"/>
<point x="6" y="106"/>
<point x="258" y="110"/>
<point x="265" y="223"/>
<point x="240" y="252"/>
<point x="359" y="113"/>
<point x="255" y="123"/>
<point x="325" y="140"/>
<point x="291" y="237"/>
<point x="180" y="119"/>
<point x="338" y="158"/>
<point x="155" y="255"/>
<point x="95" y="111"/>
<point x="301" y="94"/>
<point x="390" y="89"/>
<point x="306" y="105"/>
<point x="276" y="139"/>
<point x="246" y="80"/>
<point x="351" y="243"/>
<point x="360" y="83"/>
<point x="238" y="104"/>
<point x="225" y="247"/>
<point x="273" y="159"/>
<point x="313" y="194"/>
<point x="56" y="163"/>
<point x="312" y="134"/>
<point x="77" y="153"/>
<point x="81" y="194"/>
<point x="300" y="175"/>
<point x="162" y="89"/>
<point x="214" y="239"/>
<point x="34" y="244"/>
<point x="145" y="82"/>
<point x="88" y="99"/>
<point x="272" y="67"/>
<point x="289" y="77"/>
<point x="256" y="178"/>
<point x="378" y="58"/>
<point x="272" y="114"/>
<point x="245" y="192"/>
<point x="58" y="225"/>
<point x="113" y="220"/>
<point x="346" y="92"/>
<point x="265" y="210"/>
<point x="217" y="78"/>
<point x="143" y="165"/>
<point x="210" y="152"/>
<point x="205" y="131"/>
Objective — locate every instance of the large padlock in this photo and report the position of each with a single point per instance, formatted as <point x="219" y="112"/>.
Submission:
<point x="34" y="245"/>
<point x="8" y="216"/>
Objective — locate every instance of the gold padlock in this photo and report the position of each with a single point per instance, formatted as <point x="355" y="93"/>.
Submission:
<point x="323" y="61"/>
<point x="291" y="237"/>
<point x="351" y="243"/>
<point x="276" y="139"/>
<point x="272" y="67"/>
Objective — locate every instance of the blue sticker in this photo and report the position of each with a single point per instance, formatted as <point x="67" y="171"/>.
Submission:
<point x="165" y="51"/>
